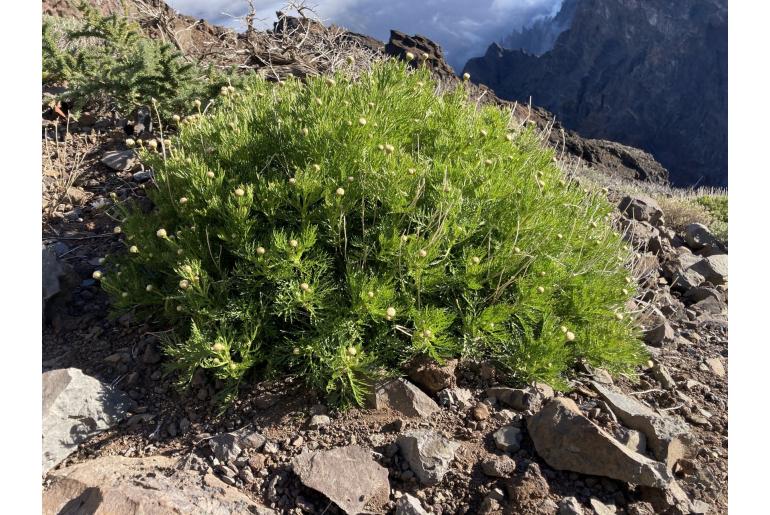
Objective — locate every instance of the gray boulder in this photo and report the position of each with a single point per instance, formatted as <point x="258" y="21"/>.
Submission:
<point x="642" y="208"/>
<point x="698" y="236"/>
<point x="508" y="438"/>
<point x="428" y="453"/>
<point x="567" y="440"/>
<point x="348" y="476"/>
<point x="76" y="407"/>
<point x="713" y="268"/>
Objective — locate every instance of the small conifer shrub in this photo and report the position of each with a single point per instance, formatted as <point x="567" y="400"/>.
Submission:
<point x="108" y="59"/>
<point x="336" y="228"/>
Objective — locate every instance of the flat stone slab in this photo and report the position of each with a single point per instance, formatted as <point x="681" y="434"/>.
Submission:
<point x="119" y="160"/>
<point x="348" y="476"/>
<point x="115" y="485"/>
<point x="428" y="453"/>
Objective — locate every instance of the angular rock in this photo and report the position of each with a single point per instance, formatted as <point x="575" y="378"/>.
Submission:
<point x="76" y="407"/>
<point x="317" y="421"/>
<point x="116" y="485"/>
<point x="460" y="397"/>
<point x="402" y="396"/>
<point x="660" y="373"/>
<point x="409" y="505"/>
<point x="120" y="160"/>
<point x="602" y="509"/>
<point x="530" y="399"/>
<point x="642" y="208"/>
<point x="712" y="268"/>
<point x="698" y="236"/>
<point x="432" y="376"/>
<point x="667" y="437"/>
<point x="640" y="234"/>
<point x="225" y="447"/>
<point x="508" y="438"/>
<point x="527" y="488"/>
<point x="428" y="453"/>
<point x="567" y="440"/>
<point x="570" y="506"/>
<point x="659" y="333"/>
<point x="498" y="466"/>
<point x="716" y="366"/>
<point x="348" y="476"/>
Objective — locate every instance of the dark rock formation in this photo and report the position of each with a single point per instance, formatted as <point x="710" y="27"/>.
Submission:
<point x="649" y="74"/>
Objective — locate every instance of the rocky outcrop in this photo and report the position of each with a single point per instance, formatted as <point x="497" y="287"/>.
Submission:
<point x="648" y="74"/>
<point x="114" y="485"/>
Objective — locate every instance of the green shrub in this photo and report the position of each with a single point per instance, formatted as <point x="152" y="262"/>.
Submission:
<point x="108" y="59"/>
<point x="716" y="205"/>
<point x="335" y="229"/>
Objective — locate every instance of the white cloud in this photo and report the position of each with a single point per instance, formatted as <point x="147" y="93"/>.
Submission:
<point x="463" y="28"/>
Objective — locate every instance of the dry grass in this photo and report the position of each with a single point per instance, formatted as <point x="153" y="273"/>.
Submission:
<point x="64" y="155"/>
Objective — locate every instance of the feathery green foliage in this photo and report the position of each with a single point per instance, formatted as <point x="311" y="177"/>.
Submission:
<point x="336" y="228"/>
<point x="119" y="64"/>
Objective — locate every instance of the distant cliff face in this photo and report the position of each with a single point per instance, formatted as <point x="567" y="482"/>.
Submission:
<point x="647" y="73"/>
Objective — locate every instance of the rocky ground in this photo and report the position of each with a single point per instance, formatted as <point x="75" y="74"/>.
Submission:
<point x="445" y="439"/>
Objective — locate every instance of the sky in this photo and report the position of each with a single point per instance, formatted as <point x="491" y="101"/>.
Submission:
<point x="463" y="28"/>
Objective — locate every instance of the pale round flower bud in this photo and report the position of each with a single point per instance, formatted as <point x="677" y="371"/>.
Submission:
<point x="389" y="148"/>
<point x="488" y="162"/>
<point x="293" y="243"/>
<point x="362" y="121"/>
<point x="411" y="171"/>
<point x="304" y="286"/>
<point x="317" y="167"/>
<point x="350" y="59"/>
<point x="563" y="329"/>
<point x="352" y="351"/>
<point x="161" y="233"/>
<point x="117" y="229"/>
<point x="149" y="287"/>
<point x="197" y="103"/>
<point x="466" y="76"/>
<point x="305" y="131"/>
<point x="218" y="347"/>
<point x="542" y="273"/>
<point x="370" y="294"/>
<point x="179" y="308"/>
<point x="475" y="260"/>
<point x="427" y="333"/>
<point x="423" y="253"/>
<point x="153" y="144"/>
<point x="239" y="192"/>
<point x="625" y="291"/>
<point x="260" y="251"/>
<point x="340" y="192"/>
<point x="210" y="175"/>
<point x="540" y="289"/>
<point x="517" y="250"/>
<point x="292" y="181"/>
<point x="124" y="294"/>
<point x="176" y="118"/>
<point x="391" y="312"/>
<point x="130" y="143"/>
<point x="133" y="249"/>
<point x="179" y="252"/>
<point x="484" y="133"/>
<point x="183" y="200"/>
<point x="184" y="284"/>
<point x="560" y="236"/>
<point x="295" y="351"/>
<point x="570" y="336"/>
<point x="351" y="178"/>
<point x="619" y="316"/>
<point x="97" y="275"/>
<point x="409" y="56"/>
